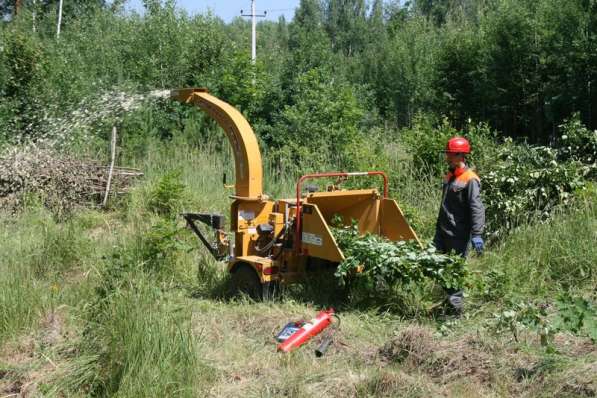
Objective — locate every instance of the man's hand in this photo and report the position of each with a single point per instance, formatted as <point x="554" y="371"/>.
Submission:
<point x="478" y="244"/>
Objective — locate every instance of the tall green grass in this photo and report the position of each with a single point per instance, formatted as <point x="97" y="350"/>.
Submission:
<point x="137" y="338"/>
<point x="137" y="341"/>
<point x="38" y="254"/>
<point x="543" y="259"/>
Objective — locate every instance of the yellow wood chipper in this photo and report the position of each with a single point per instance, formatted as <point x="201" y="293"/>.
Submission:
<point x="277" y="241"/>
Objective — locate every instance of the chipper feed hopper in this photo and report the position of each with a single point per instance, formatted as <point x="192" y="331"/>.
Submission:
<point x="277" y="241"/>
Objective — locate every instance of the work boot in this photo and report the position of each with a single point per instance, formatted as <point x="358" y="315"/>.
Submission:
<point x="456" y="303"/>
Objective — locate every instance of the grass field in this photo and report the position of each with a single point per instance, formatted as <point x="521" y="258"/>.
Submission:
<point x="101" y="303"/>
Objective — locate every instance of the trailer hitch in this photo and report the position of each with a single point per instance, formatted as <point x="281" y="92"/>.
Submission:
<point x="218" y="249"/>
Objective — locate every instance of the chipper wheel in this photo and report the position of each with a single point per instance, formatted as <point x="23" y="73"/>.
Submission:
<point x="244" y="280"/>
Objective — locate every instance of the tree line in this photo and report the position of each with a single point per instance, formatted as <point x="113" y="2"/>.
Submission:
<point x="523" y="66"/>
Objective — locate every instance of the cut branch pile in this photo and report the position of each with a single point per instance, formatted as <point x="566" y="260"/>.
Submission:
<point x="62" y="183"/>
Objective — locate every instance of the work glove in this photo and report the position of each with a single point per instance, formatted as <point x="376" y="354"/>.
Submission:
<point x="478" y="244"/>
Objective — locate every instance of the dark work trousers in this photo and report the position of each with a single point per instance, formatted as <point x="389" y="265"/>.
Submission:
<point x="446" y="245"/>
<point x="459" y="246"/>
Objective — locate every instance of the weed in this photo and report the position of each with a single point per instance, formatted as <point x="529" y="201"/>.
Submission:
<point x="577" y="315"/>
<point x="167" y="194"/>
<point x="138" y="344"/>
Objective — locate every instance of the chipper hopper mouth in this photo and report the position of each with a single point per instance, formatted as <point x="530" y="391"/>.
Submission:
<point x="373" y="213"/>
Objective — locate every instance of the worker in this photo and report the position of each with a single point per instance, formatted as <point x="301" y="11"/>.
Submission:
<point x="461" y="216"/>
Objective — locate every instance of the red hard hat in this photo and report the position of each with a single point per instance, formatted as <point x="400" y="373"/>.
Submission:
<point x="458" y="145"/>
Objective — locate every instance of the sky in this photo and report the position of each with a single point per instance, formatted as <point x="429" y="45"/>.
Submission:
<point x="228" y="9"/>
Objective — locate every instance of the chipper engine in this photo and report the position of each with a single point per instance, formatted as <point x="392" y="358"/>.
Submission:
<point x="277" y="241"/>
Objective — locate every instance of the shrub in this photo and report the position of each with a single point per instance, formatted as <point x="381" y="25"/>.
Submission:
<point x="571" y="314"/>
<point x="321" y="125"/>
<point x="520" y="183"/>
<point x="427" y="140"/>
<point x="167" y="195"/>
<point x="527" y="184"/>
<point x="160" y="245"/>
<point x="578" y="143"/>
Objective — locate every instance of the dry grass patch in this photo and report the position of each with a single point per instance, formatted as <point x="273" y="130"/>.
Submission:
<point x="35" y="359"/>
<point x="445" y="361"/>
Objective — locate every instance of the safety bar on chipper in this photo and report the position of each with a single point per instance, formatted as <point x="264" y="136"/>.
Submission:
<point x="323" y="175"/>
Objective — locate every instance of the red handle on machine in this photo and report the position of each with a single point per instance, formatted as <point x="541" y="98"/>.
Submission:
<point x="308" y="330"/>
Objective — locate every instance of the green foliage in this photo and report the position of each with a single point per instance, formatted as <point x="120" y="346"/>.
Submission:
<point x="22" y="56"/>
<point x="160" y="245"/>
<point x="376" y="264"/>
<point x="346" y="25"/>
<point x="166" y="196"/>
<point x="402" y="72"/>
<point x="578" y="143"/>
<point x="322" y="125"/>
<point x="521" y="183"/>
<point x="460" y="75"/>
<point x="241" y="83"/>
<point x="577" y="315"/>
<point x="527" y="184"/>
<point x="525" y="316"/>
<point x="523" y="67"/>
<point x="155" y="251"/>
<point x="426" y="141"/>
<point x="572" y="314"/>
<point x="413" y="216"/>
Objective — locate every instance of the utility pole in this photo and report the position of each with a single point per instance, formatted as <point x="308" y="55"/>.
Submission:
<point x="59" y="19"/>
<point x="254" y="17"/>
<point x="33" y="15"/>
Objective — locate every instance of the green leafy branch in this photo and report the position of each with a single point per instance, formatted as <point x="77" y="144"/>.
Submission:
<point x="378" y="264"/>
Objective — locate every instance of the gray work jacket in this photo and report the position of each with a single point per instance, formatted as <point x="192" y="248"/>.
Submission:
<point x="462" y="213"/>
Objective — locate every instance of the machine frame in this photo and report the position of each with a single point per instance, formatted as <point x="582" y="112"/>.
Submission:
<point x="280" y="241"/>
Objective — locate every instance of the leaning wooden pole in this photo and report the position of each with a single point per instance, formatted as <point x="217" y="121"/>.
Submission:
<point x="17" y="7"/>
<point x="111" y="172"/>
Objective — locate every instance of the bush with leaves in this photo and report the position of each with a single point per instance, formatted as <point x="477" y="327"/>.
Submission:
<point x="167" y="194"/>
<point x="520" y="183"/>
<point x="526" y="184"/>
<point x="322" y="125"/>
<point x="571" y="314"/>
<point x="377" y="264"/>
<point x="577" y="315"/>
<point x="427" y="138"/>
<point x="578" y="143"/>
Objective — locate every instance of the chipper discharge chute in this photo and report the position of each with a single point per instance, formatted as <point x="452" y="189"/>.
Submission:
<point x="273" y="241"/>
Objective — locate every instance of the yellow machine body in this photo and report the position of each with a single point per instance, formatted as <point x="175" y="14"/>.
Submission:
<point x="252" y="212"/>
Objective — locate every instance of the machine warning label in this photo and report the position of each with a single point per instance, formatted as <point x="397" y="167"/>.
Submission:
<point x="246" y="215"/>
<point x="312" y="239"/>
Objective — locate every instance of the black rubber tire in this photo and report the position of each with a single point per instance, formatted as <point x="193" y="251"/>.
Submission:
<point x="244" y="280"/>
